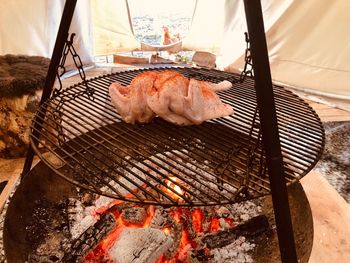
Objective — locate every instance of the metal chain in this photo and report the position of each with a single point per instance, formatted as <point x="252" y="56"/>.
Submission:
<point x="61" y="70"/>
<point x="248" y="65"/>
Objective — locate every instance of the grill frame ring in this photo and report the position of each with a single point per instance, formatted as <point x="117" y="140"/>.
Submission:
<point x="74" y="124"/>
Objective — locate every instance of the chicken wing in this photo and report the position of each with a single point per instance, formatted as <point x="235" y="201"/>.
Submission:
<point x="131" y="101"/>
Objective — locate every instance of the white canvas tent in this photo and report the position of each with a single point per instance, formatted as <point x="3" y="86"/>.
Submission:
<point x="308" y="42"/>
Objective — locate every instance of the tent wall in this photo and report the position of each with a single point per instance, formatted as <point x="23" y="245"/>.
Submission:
<point x="308" y="43"/>
<point x="111" y="27"/>
<point x="30" y="27"/>
<point x="309" y="48"/>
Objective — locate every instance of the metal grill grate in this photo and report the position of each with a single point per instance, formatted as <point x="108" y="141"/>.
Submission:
<point x="218" y="162"/>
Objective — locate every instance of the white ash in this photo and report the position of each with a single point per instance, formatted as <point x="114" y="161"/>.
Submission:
<point x="103" y="201"/>
<point x="81" y="226"/>
<point x="224" y="212"/>
<point x="80" y="217"/>
<point x="223" y="224"/>
<point x="237" y="252"/>
<point x="244" y="210"/>
<point x="75" y="213"/>
<point x="140" y="245"/>
<point x="161" y="219"/>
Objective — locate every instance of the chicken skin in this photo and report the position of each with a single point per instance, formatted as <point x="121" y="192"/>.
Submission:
<point x="171" y="96"/>
<point x="131" y="101"/>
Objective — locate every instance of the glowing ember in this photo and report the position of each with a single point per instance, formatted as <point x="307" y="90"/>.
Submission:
<point x="214" y="225"/>
<point x="190" y="220"/>
<point x="173" y="189"/>
<point x="186" y="228"/>
<point x="197" y="219"/>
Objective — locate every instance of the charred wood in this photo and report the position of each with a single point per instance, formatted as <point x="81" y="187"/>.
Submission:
<point x="89" y="239"/>
<point x="249" y="229"/>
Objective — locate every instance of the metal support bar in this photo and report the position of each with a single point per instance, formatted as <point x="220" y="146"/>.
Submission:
<point x="269" y="127"/>
<point x="62" y="35"/>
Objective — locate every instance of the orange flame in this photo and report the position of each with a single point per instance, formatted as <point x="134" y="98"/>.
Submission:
<point x="197" y="219"/>
<point x="179" y="214"/>
<point x="176" y="190"/>
<point x="214" y="224"/>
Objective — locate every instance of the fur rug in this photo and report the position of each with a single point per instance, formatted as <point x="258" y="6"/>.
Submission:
<point x="335" y="162"/>
<point x="22" y="75"/>
<point x="22" y="79"/>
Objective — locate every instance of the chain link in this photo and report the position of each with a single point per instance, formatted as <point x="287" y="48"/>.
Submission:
<point x="248" y="65"/>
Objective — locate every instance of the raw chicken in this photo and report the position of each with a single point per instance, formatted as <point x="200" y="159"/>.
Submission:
<point x="171" y="96"/>
<point x="131" y="101"/>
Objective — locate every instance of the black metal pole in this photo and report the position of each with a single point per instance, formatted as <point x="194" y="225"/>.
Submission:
<point x="269" y="128"/>
<point x="61" y="38"/>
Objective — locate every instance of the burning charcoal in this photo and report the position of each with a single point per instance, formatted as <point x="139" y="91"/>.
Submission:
<point x="89" y="239"/>
<point x="250" y="228"/>
<point x="187" y="224"/>
<point x="161" y="219"/>
<point x="134" y="215"/>
<point x="139" y="245"/>
<point x="176" y="234"/>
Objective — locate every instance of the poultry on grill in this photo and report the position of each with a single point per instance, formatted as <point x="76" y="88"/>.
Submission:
<point x="131" y="101"/>
<point x="171" y="96"/>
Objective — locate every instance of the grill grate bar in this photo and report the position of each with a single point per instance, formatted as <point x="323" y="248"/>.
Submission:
<point x="246" y="102"/>
<point x="140" y="141"/>
<point x="74" y="118"/>
<point x="282" y="105"/>
<point x="143" y="140"/>
<point x="67" y="154"/>
<point x="199" y="131"/>
<point x="86" y="150"/>
<point x="287" y="132"/>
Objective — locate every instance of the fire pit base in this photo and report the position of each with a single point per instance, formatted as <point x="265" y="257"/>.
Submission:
<point x="43" y="188"/>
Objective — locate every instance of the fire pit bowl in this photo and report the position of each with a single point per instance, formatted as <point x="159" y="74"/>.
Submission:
<point x="40" y="195"/>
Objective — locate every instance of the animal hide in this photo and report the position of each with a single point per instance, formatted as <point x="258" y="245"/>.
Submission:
<point x="22" y="75"/>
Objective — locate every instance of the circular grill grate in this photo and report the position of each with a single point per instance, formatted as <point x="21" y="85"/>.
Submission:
<point x="218" y="162"/>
